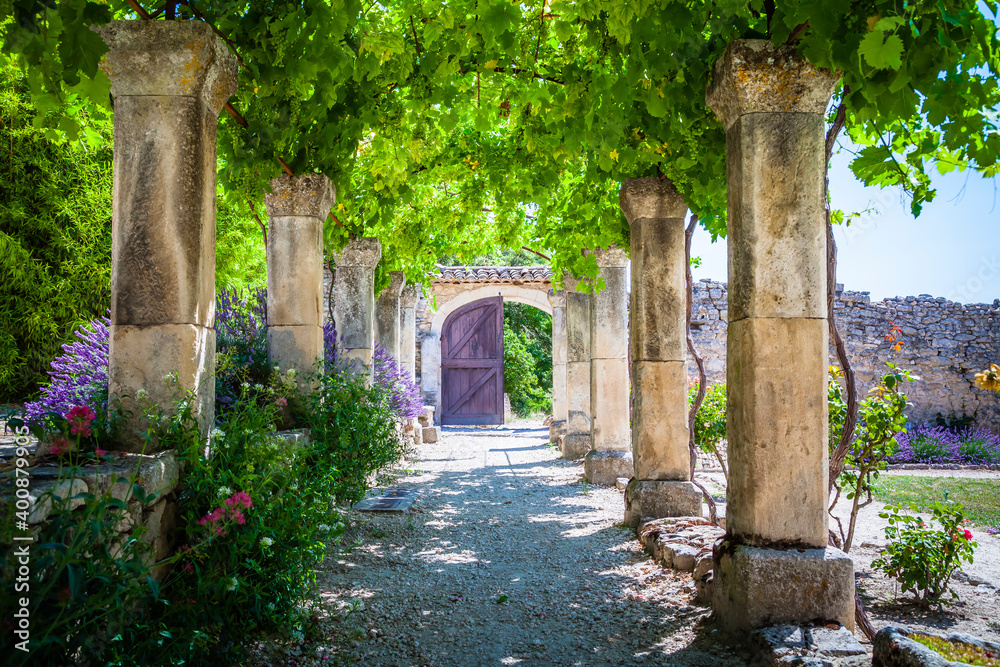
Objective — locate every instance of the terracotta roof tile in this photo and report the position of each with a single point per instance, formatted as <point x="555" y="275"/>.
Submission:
<point x="494" y="274"/>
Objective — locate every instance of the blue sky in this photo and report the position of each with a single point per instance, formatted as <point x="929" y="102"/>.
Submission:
<point x="951" y="250"/>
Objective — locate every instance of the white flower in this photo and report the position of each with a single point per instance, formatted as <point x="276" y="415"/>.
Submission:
<point x="291" y="373"/>
<point x="266" y="542"/>
<point x="232" y="584"/>
<point x="323" y="528"/>
<point x="258" y="387"/>
<point x="141" y="394"/>
<point x="270" y="606"/>
<point x="224" y="492"/>
<point x="245" y="385"/>
<point x="218" y="433"/>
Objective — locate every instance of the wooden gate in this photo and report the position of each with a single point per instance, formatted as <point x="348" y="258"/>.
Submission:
<point x="472" y="364"/>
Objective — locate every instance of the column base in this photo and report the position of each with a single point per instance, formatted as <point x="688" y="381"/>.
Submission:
<point x="574" y="445"/>
<point x="556" y="429"/>
<point x="656" y="499"/>
<point x="756" y="587"/>
<point x="606" y="467"/>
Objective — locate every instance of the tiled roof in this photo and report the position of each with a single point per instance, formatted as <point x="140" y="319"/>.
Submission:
<point x="494" y="274"/>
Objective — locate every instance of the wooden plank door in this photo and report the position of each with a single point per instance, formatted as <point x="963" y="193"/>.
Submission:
<point x="472" y="364"/>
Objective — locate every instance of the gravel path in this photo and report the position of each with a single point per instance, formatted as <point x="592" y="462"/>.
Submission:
<point x="507" y="558"/>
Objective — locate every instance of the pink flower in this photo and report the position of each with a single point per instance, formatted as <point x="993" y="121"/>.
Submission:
<point x="59" y="447"/>
<point x="100" y="452"/>
<point x="281" y="402"/>
<point x="188" y="567"/>
<point x="79" y="419"/>
<point x="968" y="534"/>
<point x="241" y="498"/>
<point x="238" y="517"/>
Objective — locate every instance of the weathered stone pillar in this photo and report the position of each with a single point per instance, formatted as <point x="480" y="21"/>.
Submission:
<point x="662" y="483"/>
<point x="610" y="456"/>
<point x="387" y="314"/>
<point x="354" y="311"/>
<point x="576" y="442"/>
<point x="559" y="399"/>
<point x="296" y="209"/>
<point x="169" y="80"/>
<point x="408" y="328"/>
<point x="774" y="565"/>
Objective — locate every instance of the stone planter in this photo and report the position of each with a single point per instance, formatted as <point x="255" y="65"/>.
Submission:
<point x="894" y="647"/>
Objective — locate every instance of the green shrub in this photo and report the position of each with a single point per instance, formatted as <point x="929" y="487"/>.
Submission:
<point x="710" y="421"/>
<point x="921" y="558"/>
<point x="520" y="376"/>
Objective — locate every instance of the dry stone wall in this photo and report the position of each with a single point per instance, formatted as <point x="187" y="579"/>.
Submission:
<point x="945" y="344"/>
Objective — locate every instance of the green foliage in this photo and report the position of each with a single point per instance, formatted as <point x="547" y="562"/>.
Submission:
<point x="922" y="558"/>
<point x="710" y="421"/>
<point x="521" y="369"/>
<point x="55" y="238"/>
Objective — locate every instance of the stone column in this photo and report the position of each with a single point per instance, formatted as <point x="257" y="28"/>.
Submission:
<point x="408" y="328"/>
<point x="610" y="456"/>
<point x="354" y="310"/>
<point x="387" y="315"/>
<point x="559" y="399"/>
<point x="296" y="209"/>
<point x="169" y="80"/>
<point x="576" y="442"/>
<point x="774" y="565"/>
<point x="662" y="483"/>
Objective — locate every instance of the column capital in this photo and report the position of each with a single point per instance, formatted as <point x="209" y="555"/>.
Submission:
<point x="652" y="197"/>
<point x="611" y="257"/>
<point x="557" y="299"/>
<point x="365" y="252"/>
<point x="176" y="58"/>
<point x="754" y="76"/>
<point x="307" y="195"/>
<point x="410" y="295"/>
<point x="397" y="279"/>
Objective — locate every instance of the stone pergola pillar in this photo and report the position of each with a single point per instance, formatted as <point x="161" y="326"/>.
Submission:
<point x="296" y="209"/>
<point x="662" y="484"/>
<point x="408" y="328"/>
<point x="576" y="443"/>
<point x="559" y="398"/>
<point x="169" y="80"/>
<point x="387" y="315"/>
<point x="610" y="456"/>
<point x="354" y="311"/>
<point x="774" y="565"/>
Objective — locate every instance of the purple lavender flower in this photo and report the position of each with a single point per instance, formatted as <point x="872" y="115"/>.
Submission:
<point x="978" y="445"/>
<point x="79" y="375"/>
<point x="927" y="444"/>
<point x="404" y="392"/>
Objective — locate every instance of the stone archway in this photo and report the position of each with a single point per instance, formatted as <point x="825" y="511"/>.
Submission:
<point x="458" y="286"/>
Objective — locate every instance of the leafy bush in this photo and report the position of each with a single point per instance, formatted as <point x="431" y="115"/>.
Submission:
<point x="710" y="421"/>
<point x="921" y="558"/>
<point x="520" y="376"/>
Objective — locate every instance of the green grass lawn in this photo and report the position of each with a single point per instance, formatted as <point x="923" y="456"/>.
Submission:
<point x="981" y="497"/>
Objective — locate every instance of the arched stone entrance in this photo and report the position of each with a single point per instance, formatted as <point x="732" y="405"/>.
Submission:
<point x="456" y="287"/>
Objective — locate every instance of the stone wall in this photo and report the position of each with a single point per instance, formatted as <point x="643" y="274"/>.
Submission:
<point x="944" y="344"/>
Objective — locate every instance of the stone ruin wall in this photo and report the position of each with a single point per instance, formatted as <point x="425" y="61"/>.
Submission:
<point x="945" y="344"/>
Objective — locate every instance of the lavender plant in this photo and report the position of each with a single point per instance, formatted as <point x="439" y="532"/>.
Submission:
<point x="927" y="444"/>
<point x="404" y="394"/>
<point x="79" y="376"/>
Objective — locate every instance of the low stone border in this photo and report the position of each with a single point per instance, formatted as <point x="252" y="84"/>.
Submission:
<point x="894" y="648"/>
<point x="825" y="645"/>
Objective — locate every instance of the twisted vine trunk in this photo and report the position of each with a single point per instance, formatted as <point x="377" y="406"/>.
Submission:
<point x="702" y="378"/>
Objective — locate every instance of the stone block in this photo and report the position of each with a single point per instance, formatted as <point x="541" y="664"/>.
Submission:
<point x="294" y="271"/>
<point x="777" y="425"/>
<point x="296" y="347"/>
<point x="756" y="587"/>
<point x="163" y="219"/>
<point x="656" y="499"/>
<point x="650" y="198"/>
<point x="605" y="467"/>
<point x="161" y="58"/>
<point x="659" y="295"/>
<point x="354" y="310"/>
<point x="894" y="647"/>
<point x="577" y="327"/>
<point x="165" y="361"/>
<point x="754" y="76"/>
<point x="46" y="495"/>
<point x="560" y="400"/>
<point x="776" y="168"/>
<point x="609" y="316"/>
<point x="309" y="195"/>
<point x="609" y="408"/>
<point x="556" y="428"/>
<point x="660" y="421"/>
<point x="429" y="434"/>
<point x="578" y="397"/>
<point x="574" y="445"/>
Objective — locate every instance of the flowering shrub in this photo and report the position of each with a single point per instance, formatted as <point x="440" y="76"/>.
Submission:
<point x="921" y="558"/>
<point x="79" y="376"/>
<point x="404" y="394"/>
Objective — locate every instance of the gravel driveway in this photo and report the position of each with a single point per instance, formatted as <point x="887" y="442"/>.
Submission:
<point x="507" y="559"/>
